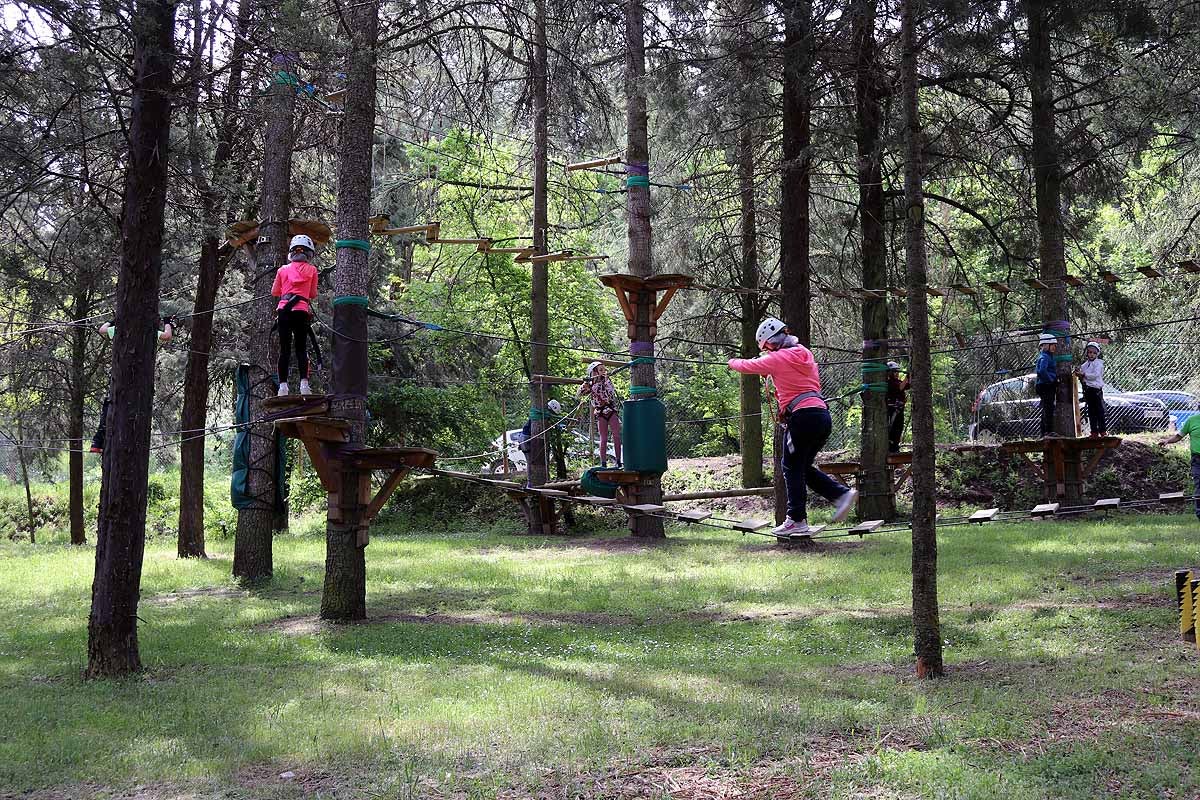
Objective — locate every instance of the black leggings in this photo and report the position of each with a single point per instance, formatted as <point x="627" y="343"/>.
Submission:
<point x="1048" y="392"/>
<point x="1094" y="398"/>
<point x="293" y="326"/>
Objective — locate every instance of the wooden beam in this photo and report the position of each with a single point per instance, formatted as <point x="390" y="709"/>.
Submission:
<point x="750" y="525"/>
<point x="1044" y="510"/>
<point x="381" y="497"/>
<point x="555" y="380"/>
<point x="697" y="515"/>
<point x="984" y="515"/>
<point x="594" y="163"/>
<point x="869" y="526"/>
<point x="997" y="286"/>
<point x="663" y="302"/>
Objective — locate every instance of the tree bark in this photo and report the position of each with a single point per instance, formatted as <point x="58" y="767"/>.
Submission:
<point x="795" y="271"/>
<point x="1047" y="176"/>
<point x="252" y="554"/>
<point x="750" y="386"/>
<point x="637" y="204"/>
<point x="78" y="398"/>
<point x="876" y="500"/>
<point x="193" y="418"/>
<point x="345" y="592"/>
<point x="24" y="462"/>
<point x="541" y="511"/>
<point x="927" y="632"/>
<point x="121" y="534"/>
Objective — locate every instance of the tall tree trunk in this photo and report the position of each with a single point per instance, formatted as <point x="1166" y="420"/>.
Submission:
<point x="252" y="556"/>
<point x="193" y="418"/>
<point x="637" y="204"/>
<point x="541" y="511"/>
<point x="750" y="386"/>
<point x="876" y="500"/>
<point x="927" y="631"/>
<point x="121" y="534"/>
<point x="794" y="227"/>
<point x="78" y="397"/>
<point x="23" y="460"/>
<point x="1047" y="175"/>
<point x="345" y="593"/>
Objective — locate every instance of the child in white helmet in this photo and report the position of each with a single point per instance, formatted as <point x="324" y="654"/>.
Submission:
<point x="1047" y="380"/>
<point x="296" y="287"/>
<point x="599" y="388"/>
<point x="798" y="390"/>
<point x="1091" y="372"/>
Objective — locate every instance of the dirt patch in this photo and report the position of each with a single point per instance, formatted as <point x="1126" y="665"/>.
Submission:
<point x="289" y="781"/>
<point x="207" y="593"/>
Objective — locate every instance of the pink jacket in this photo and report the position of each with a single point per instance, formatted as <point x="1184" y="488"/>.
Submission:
<point x="296" y="277"/>
<point x="794" y="371"/>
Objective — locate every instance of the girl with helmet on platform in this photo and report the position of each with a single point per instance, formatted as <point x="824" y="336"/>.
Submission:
<point x="599" y="387"/>
<point x="296" y="287"/>
<point x="1091" y="372"/>
<point x="793" y="369"/>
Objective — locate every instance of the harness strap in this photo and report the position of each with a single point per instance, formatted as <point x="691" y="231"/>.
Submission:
<point x="791" y="406"/>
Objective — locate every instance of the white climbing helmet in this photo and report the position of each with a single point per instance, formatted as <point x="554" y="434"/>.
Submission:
<point x="300" y="240"/>
<point x="893" y="366"/>
<point x="554" y="406"/>
<point x="1096" y="345"/>
<point x="1047" y="338"/>
<point x="769" y="329"/>
<point x="592" y="368"/>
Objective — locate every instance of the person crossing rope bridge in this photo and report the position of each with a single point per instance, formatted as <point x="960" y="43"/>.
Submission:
<point x="804" y="411"/>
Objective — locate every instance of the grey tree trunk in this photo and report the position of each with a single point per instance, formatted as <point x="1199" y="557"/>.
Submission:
<point x="252" y="552"/>
<point x="637" y="205"/>
<point x="121" y="532"/>
<point x="794" y="227"/>
<point x="927" y="631"/>
<point x="750" y="386"/>
<point x="876" y="500"/>
<point x="344" y="597"/>
<point x="541" y="513"/>
<point x="193" y="417"/>
<point x="78" y="396"/>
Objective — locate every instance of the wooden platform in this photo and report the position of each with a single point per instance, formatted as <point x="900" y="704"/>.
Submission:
<point x="314" y="427"/>
<point x="390" y="458"/>
<point x="621" y="476"/>
<point x="309" y="403"/>
<point x="1064" y="459"/>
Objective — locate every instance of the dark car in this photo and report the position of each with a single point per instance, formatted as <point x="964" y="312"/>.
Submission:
<point x="1011" y="409"/>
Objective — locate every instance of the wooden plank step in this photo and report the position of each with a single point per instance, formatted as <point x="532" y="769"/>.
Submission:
<point x="1108" y="502"/>
<point x="644" y="508"/>
<point x="391" y="458"/>
<point x="695" y="515"/>
<point x="596" y="500"/>
<point x="547" y="492"/>
<point x="318" y="402"/>
<point x="751" y="525"/>
<point x="618" y="475"/>
<point x="1045" y="510"/>
<point x="807" y="536"/>
<point x="1168" y="497"/>
<point x="983" y="515"/>
<point x="869" y="526"/>
<point x="317" y="428"/>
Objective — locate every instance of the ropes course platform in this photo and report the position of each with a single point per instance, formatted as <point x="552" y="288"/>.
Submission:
<point x="1062" y="469"/>
<point x="301" y="404"/>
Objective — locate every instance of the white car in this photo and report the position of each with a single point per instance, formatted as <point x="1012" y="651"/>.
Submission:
<point x="510" y="445"/>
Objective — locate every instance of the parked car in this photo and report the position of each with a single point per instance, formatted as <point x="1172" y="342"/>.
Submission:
<point x="510" y="444"/>
<point x="1010" y="409"/>
<point x="1180" y="405"/>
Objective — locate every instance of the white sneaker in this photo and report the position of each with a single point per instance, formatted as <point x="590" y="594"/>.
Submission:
<point x="844" y="505"/>
<point x="791" y="528"/>
<point x="283" y="390"/>
<point x="304" y="387"/>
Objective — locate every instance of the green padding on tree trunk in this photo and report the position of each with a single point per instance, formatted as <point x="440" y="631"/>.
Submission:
<point x="637" y="180"/>
<point x="593" y="485"/>
<point x="350" y="300"/>
<point x="353" y="244"/>
<point x="645" y="435"/>
<point x="643" y="389"/>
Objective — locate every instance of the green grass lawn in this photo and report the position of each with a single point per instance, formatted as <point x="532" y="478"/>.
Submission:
<point x="712" y="664"/>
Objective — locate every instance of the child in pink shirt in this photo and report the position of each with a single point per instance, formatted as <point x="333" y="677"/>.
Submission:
<point x="793" y="369"/>
<point x="296" y="287"/>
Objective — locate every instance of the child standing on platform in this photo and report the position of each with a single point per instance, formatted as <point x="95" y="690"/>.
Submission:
<point x="599" y="387"/>
<point x="1091" y="372"/>
<point x="296" y="287"/>
<point x="1047" y="380"/>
